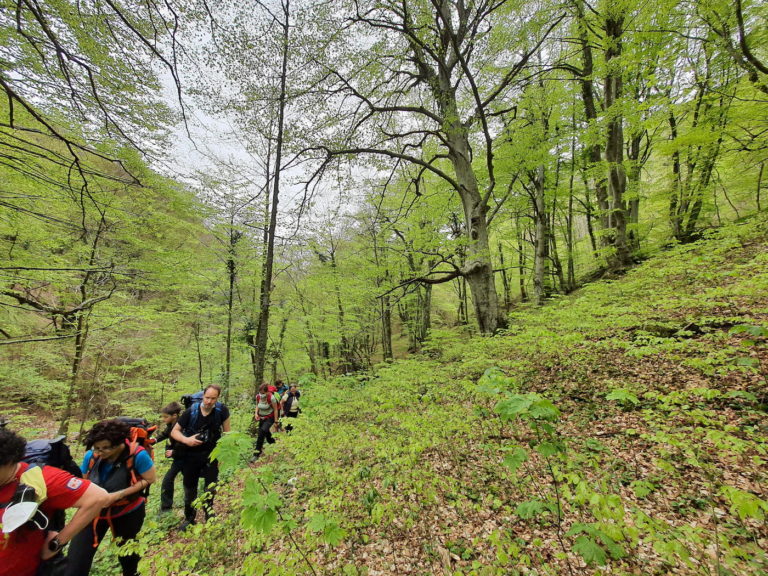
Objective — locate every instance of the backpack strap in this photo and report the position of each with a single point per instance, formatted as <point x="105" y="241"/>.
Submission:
<point x="195" y="416"/>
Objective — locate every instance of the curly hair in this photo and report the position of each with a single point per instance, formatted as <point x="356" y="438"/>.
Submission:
<point x="115" y="431"/>
<point x="11" y="447"/>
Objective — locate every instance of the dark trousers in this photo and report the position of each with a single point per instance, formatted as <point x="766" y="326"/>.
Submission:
<point x="196" y="466"/>
<point x="265" y="433"/>
<point x="289" y="427"/>
<point x="166" y="490"/>
<point x="82" y="550"/>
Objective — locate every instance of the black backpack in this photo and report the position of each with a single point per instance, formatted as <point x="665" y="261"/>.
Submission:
<point x="51" y="452"/>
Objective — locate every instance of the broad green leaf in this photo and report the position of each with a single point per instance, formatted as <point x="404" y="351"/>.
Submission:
<point x="623" y="396"/>
<point x="259" y="519"/>
<point x="514" y="459"/>
<point x="513" y="406"/>
<point x="590" y="550"/>
<point x="531" y="508"/>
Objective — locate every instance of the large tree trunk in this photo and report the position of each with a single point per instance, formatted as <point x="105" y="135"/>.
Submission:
<point x="614" y="149"/>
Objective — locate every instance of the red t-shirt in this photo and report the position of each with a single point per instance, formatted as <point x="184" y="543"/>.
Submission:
<point x="20" y="550"/>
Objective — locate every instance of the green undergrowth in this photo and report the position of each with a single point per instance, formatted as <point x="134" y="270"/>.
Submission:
<point x="619" y="430"/>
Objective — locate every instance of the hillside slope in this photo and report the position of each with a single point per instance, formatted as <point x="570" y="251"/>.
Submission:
<point x="620" y="430"/>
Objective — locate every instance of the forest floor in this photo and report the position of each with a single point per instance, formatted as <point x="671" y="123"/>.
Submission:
<point x="618" y="430"/>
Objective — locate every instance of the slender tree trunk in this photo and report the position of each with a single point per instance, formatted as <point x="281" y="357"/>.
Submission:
<point x="633" y="185"/>
<point x="81" y="336"/>
<point x="521" y="273"/>
<point x="541" y="280"/>
<point x="571" y="282"/>
<point x="386" y="328"/>
<point x="262" y="330"/>
<point x="505" y="280"/>
<point x="234" y="237"/>
<point x="759" y="184"/>
<point x="279" y="348"/>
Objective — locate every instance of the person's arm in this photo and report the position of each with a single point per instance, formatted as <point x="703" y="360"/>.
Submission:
<point x="147" y="478"/>
<point x="226" y="426"/>
<point x="164" y="435"/>
<point x="178" y="435"/>
<point x="88" y="507"/>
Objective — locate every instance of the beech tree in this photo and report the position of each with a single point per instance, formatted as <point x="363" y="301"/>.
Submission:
<point x="425" y="85"/>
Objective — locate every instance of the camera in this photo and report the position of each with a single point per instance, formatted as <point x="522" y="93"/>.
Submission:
<point x="204" y="436"/>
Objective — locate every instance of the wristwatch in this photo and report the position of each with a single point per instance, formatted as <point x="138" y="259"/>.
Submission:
<point x="55" y="545"/>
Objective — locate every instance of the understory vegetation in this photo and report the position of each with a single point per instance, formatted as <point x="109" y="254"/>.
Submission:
<point x="617" y="430"/>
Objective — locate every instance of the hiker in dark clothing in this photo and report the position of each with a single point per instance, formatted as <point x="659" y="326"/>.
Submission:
<point x="266" y="414"/>
<point x="170" y="415"/>
<point x="197" y="432"/>
<point x="290" y="404"/>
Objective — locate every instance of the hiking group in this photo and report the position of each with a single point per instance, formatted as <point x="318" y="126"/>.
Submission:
<point x="39" y="480"/>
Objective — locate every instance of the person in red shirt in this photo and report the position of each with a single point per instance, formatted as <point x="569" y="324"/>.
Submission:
<point x="22" y="550"/>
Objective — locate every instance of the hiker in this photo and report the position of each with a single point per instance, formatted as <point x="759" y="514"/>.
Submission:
<point x="282" y="387"/>
<point x="170" y="415"/>
<point x="266" y="414"/>
<point x="290" y="405"/>
<point x="125" y="470"/>
<point x="22" y="550"/>
<point x="197" y="431"/>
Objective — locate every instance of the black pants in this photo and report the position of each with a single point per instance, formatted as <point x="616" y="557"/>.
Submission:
<point x="265" y="433"/>
<point x="289" y="427"/>
<point x="166" y="490"/>
<point x="196" y="466"/>
<point x="82" y="550"/>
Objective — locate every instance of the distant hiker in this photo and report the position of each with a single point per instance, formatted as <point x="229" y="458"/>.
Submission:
<point x="266" y="414"/>
<point x="290" y="406"/>
<point x="125" y="470"/>
<point x="198" y="430"/>
<point x="25" y="544"/>
<point x="282" y="387"/>
<point x="170" y="415"/>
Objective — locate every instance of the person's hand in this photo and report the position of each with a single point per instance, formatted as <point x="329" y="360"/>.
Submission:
<point x="193" y="441"/>
<point x="115" y="497"/>
<point x="168" y="453"/>
<point x="46" y="553"/>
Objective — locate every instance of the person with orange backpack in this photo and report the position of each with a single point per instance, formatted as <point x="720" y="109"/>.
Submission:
<point x="116" y="461"/>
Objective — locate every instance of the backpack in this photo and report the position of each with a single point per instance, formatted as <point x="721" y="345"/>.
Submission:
<point x="264" y="408"/>
<point x="51" y="452"/>
<point x="194" y="416"/>
<point x="141" y="434"/>
<point x="189" y="400"/>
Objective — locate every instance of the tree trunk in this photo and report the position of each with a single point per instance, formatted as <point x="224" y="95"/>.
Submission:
<point x="262" y="330"/>
<point x="80" y="338"/>
<point x="505" y="280"/>
<point x="521" y="274"/>
<point x="541" y="279"/>
<point x="386" y="328"/>
<point x="614" y="149"/>
<point x="234" y="237"/>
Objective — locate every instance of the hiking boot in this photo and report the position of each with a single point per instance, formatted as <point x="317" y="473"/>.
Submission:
<point x="186" y="524"/>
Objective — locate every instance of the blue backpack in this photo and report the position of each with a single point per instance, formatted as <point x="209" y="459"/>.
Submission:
<point x="192" y="402"/>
